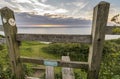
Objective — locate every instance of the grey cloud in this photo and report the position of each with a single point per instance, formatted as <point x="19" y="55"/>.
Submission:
<point x="28" y="19"/>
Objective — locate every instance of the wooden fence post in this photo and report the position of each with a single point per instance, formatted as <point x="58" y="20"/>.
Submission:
<point x="100" y="16"/>
<point x="10" y="30"/>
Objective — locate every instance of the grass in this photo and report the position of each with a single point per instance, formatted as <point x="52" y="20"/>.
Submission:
<point x="34" y="49"/>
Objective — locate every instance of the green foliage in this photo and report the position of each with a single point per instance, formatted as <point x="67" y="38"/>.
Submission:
<point x="1" y="36"/>
<point x="27" y="69"/>
<point x="1" y="47"/>
<point x="31" y="43"/>
<point x="117" y="41"/>
<point x="110" y="66"/>
<point x="110" y="47"/>
<point x="5" y="71"/>
<point x="58" y="75"/>
<point x="74" y="50"/>
<point x="80" y="74"/>
<point x="116" y="30"/>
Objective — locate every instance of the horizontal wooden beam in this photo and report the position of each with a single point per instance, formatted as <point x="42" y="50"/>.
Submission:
<point x="57" y="63"/>
<point x="112" y="30"/>
<point x="54" y="38"/>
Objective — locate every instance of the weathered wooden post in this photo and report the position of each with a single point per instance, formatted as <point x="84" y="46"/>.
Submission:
<point x="100" y="17"/>
<point x="10" y="30"/>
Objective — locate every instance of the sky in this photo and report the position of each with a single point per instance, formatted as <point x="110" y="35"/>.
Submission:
<point x="56" y="12"/>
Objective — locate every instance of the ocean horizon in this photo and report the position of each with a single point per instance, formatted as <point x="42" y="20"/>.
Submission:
<point x="59" y="30"/>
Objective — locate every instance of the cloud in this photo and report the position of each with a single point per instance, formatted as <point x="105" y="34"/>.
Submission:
<point x="55" y="15"/>
<point x="32" y="6"/>
<point x="21" y="1"/>
<point x="27" y="19"/>
<point x="80" y="12"/>
<point x="43" y="0"/>
<point x="61" y="11"/>
<point x="80" y="4"/>
<point x="73" y="8"/>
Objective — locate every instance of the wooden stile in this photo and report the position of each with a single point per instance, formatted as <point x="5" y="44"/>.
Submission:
<point x="58" y="63"/>
<point x="67" y="73"/>
<point x="96" y="39"/>
<point x="10" y="30"/>
<point x="55" y="38"/>
<point x="100" y="17"/>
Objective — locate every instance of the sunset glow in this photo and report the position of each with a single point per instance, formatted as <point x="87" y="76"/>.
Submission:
<point x="51" y="25"/>
<point x="45" y="25"/>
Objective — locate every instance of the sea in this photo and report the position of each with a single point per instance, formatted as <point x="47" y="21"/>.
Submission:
<point x="59" y="30"/>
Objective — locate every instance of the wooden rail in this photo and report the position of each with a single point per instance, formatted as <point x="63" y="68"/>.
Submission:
<point x="54" y="38"/>
<point x="67" y="73"/>
<point x="58" y="63"/>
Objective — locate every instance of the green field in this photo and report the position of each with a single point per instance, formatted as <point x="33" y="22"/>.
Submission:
<point x="109" y="67"/>
<point x="34" y="49"/>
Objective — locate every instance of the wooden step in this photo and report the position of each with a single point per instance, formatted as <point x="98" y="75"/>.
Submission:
<point x="67" y="73"/>
<point x="49" y="72"/>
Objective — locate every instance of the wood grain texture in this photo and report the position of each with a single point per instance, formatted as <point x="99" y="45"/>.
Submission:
<point x="67" y="73"/>
<point x="72" y="64"/>
<point x="54" y="38"/>
<point x="49" y="72"/>
<point x="10" y="30"/>
<point x="100" y="16"/>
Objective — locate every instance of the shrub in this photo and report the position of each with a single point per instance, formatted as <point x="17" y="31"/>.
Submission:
<point x="74" y="50"/>
<point x="110" y="66"/>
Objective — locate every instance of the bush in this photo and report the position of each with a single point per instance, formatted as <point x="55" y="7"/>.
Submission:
<point x="1" y="47"/>
<point x="5" y="71"/>
<point x="1" y="36"/>
<point x="110" y="66"/>
<point x="76" y="51"/>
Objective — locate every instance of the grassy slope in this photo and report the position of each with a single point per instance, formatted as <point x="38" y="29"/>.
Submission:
<point x="34" y="49"/>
